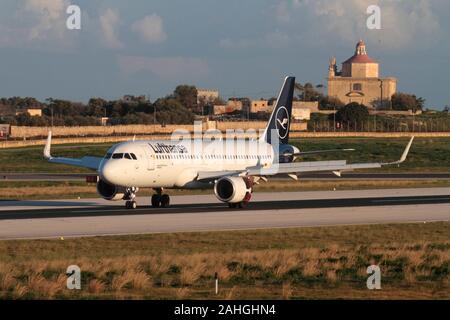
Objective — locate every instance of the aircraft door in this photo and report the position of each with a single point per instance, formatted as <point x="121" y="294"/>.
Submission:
<point x="149" y="158"/>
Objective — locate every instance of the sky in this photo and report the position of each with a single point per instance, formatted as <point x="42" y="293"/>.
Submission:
<point x="241" y="47"/>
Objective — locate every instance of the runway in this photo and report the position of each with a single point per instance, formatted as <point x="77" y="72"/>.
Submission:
<point x="93" y="217"/>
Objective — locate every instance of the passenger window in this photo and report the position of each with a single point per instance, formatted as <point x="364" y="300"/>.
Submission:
<point x="117" y="156"/>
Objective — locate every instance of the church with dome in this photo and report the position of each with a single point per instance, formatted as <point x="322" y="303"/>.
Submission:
<point x="359" y="81"/>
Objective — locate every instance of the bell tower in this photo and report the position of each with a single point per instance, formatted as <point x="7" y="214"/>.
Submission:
<point x="332" y="68"/>
<point x="360" y="48"/>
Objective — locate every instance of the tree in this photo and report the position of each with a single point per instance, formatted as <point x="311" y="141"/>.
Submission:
<point x="308" y="92"/>
<point x="187" y="96"/>
<point x="330" y="103"/>
<point x="96" y="107"/>
<point x="353" y="113"/>
<point x="405" y="101"/>
<point x="170" y="110"/>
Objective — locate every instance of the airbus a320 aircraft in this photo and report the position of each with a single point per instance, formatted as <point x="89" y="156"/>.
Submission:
<point x="229" y="166"/>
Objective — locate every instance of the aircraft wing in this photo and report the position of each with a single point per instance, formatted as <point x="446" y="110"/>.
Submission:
<point x="294" y="168"/>
<point x="307" y="153"/>
<point x="85" y="162"/>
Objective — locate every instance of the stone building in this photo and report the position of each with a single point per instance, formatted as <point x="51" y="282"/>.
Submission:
<point x="30" y="111"/>
<point x="359" y="81"/>
<point x="207" y="95"/>
<point x="259" y="106"/>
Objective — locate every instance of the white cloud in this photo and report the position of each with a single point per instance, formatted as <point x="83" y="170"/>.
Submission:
<point x="40" y="24"/>
<point x="150" y="29"/>
<point x="165" y="67"/>
<point x="50" y="16"/>
<point x="403" y="22"/>
<point x="109" y="22"/>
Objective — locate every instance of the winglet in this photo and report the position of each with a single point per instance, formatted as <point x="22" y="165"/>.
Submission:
<point x="47" y="154"/>
<point x="405" y="153"/>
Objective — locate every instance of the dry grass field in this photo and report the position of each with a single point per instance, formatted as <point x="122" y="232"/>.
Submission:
<point x="297" y="263"/>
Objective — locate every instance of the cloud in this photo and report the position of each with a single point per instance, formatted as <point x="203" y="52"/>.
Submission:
<point x="40" y="24"/>
<point x="165" y="67"/>
<point x="150" y="29"/>
<point x="109" y="21"/>
<point x="49" y="17"/>
<point x="402" y="22"/>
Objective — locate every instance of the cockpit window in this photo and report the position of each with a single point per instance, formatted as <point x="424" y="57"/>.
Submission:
<point x="117" y="156"/>
<point x="133" y="156"/>
<point x="108" y="155"/>
<point x="127" y="156"/>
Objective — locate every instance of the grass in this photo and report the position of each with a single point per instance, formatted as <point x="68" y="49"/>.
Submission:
<point x="32" y="190"/>
<point x="30" y="159"/>
<point x="297" y="263"/>
<point x="427" y="154"/>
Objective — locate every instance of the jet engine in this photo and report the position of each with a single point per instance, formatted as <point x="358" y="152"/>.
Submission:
<point x="110" y="191"/>
<point x="233" y="189"/>
<point x="286" y="153"/>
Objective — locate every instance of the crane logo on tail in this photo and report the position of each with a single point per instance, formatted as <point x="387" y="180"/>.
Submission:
<point x="282" y="122"/>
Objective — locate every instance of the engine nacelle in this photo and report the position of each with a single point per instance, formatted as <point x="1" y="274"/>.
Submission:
<point x="109" y="191"/>
<point x="286" y="153"/>
<point x="233" y="189"/>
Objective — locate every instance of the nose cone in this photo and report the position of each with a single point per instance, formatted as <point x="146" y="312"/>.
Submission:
<point x="109" y="172"/>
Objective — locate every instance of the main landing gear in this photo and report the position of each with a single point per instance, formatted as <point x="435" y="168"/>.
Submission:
<point x="239" y="205"/>
<point x="159" y="199"/>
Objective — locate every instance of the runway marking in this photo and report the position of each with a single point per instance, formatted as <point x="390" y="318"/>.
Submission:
<point x="410" y="200"/>
<point x="140" y="209"/>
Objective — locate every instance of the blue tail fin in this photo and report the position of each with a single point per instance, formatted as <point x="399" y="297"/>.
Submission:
<point x="280" y="118"/>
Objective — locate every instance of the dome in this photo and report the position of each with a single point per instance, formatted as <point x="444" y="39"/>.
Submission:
<point x="360" y="55"/>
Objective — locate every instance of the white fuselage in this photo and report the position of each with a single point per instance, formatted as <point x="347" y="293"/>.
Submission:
<point x="176" y="164"/>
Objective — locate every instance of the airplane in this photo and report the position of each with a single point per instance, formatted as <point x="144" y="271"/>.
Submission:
<point x="231" y="167"/>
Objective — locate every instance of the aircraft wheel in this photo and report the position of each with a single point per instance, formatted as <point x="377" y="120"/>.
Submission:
<point x="131" y="204"/>
<point x="156" y="200"/>
<point x="165" y="201"/>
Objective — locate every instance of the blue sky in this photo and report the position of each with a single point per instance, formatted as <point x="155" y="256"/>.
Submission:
<point x="241" y="47"/>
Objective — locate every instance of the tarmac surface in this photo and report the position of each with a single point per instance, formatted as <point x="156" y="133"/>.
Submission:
<point x="95" y="217"/>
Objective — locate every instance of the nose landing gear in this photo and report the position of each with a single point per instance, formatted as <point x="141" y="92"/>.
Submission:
<point x="130" y="196"/>
<point x="131" y="204"/>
